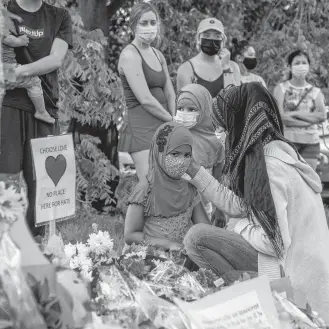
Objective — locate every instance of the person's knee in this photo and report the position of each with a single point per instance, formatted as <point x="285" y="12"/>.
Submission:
<point x="195" y="235"/>
<point x="141" y="163"/>
<point x="313" y="163"/>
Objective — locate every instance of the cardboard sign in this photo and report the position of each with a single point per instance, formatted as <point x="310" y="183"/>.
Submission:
<point x="248" y="304"/>
<point x="55" y="173"/>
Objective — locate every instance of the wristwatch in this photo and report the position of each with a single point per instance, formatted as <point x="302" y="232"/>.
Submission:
<point x="228" y="71"/>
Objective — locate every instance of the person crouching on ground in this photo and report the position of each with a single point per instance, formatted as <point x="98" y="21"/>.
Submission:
<point x="273" y="198"/>
<point x="161" y="211"/>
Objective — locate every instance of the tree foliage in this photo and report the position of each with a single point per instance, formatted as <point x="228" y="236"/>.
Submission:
<point x="275" y="28"/>
<point x="91" y="93"/>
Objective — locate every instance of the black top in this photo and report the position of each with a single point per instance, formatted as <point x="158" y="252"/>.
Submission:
<point x="42" y="27"/>
<point x="214" y="87"/>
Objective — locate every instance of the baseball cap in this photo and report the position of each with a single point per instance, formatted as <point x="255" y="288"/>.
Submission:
<point x="211" y="24"/>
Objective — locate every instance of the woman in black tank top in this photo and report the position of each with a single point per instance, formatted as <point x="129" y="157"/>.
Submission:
<point x="212" y="67"/>
<point x="149" y="94"/>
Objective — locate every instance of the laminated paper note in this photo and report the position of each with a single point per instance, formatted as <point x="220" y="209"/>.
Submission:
<point x="246" y="305"/>
<point x="55" y="174"/>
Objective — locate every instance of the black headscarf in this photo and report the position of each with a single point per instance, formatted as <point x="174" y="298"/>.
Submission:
<point x="251" y="118"/>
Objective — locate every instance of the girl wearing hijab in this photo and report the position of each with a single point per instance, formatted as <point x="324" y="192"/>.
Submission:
<point x="272" y="196"/>
<point x="244" y="54"/>
<point x="193" y="105"/>
<point x="161" y="211"/>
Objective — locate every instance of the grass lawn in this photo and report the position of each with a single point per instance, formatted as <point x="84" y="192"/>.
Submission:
<point x="78" y="229"/>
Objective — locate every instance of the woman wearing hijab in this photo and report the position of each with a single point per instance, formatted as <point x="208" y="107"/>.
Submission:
<point x="272" y="196"/>
<point x="193" y="106"/>
<point x="161" y="211"/>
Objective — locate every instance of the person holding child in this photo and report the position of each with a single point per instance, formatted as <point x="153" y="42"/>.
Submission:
<point x="49" y="31"/>
<point x="32" y="84"/>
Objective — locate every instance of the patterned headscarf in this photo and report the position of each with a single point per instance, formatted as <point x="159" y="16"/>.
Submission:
<point x="206" y="146"/>
<point x="164" y="196"/>
<point x="251" y="118"/>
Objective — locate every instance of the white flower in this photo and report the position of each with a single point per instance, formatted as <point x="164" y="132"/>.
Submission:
<point x="100" y="243"/>
<point x="141" y="254"/>
<point x="81" y="263"/>
<point x="110" y="290"/>
<point x="70" y="250"/>
<point x="82" y="249"/>
<point x="11" y="202"/>
<point x="87" y="274"/>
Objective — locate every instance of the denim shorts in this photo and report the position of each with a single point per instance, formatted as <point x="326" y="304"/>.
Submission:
<point x="308" y="151"/>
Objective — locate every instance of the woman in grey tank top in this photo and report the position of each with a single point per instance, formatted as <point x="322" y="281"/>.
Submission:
<point x="149" y="93"/>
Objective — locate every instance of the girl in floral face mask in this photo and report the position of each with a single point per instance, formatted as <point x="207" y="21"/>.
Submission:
<point x="162" y="210"/>
<point x="302" y="107"/>
<point x="194" y="104"/>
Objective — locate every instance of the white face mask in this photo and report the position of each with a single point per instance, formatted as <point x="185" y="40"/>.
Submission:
<point x="147" y="34"/>
<point x="300" y="71"/>
<point x="187" y="119"/>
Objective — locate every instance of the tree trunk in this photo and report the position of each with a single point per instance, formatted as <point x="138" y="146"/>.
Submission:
<point x="94" y="15"/>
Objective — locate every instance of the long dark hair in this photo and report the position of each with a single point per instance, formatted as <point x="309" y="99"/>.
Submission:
<point x="238" y="47"/>
<point x="251" y="117"/>
<point x="294" y="54"/>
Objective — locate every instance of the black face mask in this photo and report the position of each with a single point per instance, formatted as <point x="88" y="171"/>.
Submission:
<point x="210" y="46"/>
<point x="250" y="63"/>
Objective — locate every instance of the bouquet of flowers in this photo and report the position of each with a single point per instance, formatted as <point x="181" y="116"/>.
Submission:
<point x="84" y="258"/>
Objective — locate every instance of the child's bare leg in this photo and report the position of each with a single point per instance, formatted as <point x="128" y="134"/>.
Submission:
<point x="34" y="90"/>
<point x="40" y="110"/>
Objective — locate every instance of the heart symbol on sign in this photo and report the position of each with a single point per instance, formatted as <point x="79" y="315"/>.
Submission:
<point x="55" y="168"/>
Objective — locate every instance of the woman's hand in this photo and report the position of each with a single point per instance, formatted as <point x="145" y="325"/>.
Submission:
<point x="170" y="118"/>
<point x="232" y="223"/>
<point x="175" y="246"/>
<point x="225" y="56"/>
<point x="193" y="169"/>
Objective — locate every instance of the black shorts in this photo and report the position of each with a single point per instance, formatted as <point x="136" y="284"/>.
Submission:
<point x="17" y="129"/>
<point x="308" y="151"/>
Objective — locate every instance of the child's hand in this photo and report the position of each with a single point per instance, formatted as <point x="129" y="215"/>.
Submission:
<point x="20" y="72"/>
<point x="24" y="40"/>
<point x="12" y="16"/>
<point x="175" y="246"/>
